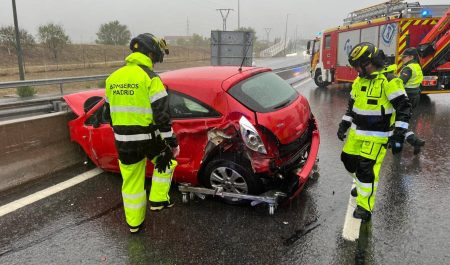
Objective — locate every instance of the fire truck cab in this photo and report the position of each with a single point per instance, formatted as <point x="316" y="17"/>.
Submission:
<point x="392" y="26"/>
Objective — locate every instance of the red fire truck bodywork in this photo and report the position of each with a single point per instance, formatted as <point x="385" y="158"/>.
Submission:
<point x="391" y="34"/>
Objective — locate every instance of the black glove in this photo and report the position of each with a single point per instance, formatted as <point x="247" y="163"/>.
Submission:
<point x="343" y="127"/>
<point x="164" y="159"/>
<point x="396" y="140"/>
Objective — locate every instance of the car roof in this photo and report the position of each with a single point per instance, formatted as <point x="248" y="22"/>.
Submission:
<point x="209" y="77"/>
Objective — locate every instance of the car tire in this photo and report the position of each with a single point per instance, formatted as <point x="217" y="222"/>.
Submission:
<point x="234" y="175"/>
<point x="318" y="79"/>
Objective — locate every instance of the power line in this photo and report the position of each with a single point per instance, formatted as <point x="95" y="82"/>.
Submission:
<point x="224" y="12"/>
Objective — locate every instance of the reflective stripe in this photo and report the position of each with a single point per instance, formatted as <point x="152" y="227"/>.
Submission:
<point x="133" y="196"/>
<point x="135" y="205"/>
<point x="162" y="180"/>
<point x="372" y="112"/>
<point x="401" y="124"/>
<point x="347" y="118"/>
<point x="371" y="133"/>
<point x="132" y="137"/>
<point x="167" y="134"/>
<point x="396" y="94"/>
<point x="131" y="109"/>
<point x="408" y="134"/>
<point x="365" y="185"/>
<point x="362" y="192"/>
<point x="158" y="96"/>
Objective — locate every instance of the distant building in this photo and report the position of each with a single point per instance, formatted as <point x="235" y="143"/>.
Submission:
<point x="171" y="40"/>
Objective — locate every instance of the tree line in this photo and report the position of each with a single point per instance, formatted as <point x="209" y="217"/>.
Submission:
<point x="54" y="37"/>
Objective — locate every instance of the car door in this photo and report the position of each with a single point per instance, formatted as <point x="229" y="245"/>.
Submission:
<point x="101" y="139"/>
<point x="191" y="121"/>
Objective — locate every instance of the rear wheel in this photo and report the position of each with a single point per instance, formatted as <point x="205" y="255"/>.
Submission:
<point x="319" y="80"/>
<point x="232" y="175"/>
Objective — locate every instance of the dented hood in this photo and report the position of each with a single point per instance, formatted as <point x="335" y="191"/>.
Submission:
<point x="288" y="123"/>
<point x="76" y="101"/>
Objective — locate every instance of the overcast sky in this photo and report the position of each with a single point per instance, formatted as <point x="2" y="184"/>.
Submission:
<point x="82" y="18"/>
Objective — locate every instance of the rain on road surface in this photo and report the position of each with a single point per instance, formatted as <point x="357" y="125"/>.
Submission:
<point x="85" y="224"/>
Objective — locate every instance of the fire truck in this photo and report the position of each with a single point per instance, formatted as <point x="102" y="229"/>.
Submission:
<point x="392" y="26"/>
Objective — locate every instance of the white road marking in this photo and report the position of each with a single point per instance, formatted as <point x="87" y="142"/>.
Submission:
<point x="303" y="82"/>
<point x="351" y="225"/>
<point x="17" y="204"/>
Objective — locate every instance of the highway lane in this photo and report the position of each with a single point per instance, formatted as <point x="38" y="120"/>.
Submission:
<point x="84" y="224"/>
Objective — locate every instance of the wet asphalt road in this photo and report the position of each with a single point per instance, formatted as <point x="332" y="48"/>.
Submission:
<point x="410" y="225"/>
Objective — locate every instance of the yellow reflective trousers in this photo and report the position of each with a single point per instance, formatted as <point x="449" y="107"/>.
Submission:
<point x="133" y="190"/>
<point x="368" y="156"/>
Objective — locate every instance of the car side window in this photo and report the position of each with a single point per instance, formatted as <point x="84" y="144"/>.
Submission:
<point x="184" y="106"/>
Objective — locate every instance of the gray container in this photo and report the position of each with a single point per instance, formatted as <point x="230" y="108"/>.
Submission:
<point x="230" y="47"/>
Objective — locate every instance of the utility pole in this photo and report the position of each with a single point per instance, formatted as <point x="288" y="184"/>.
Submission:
<point x="239" y="15"/>
<point x="224" y="12"/>
<point x="296" y="39"/>
<point x="187" y="26"/>
<point x="267" y="32"/>
<point x="19" y="47"/>
<point x="285" y="33"/>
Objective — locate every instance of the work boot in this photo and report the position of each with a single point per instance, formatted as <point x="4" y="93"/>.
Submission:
<point x="158" y="206"/>
<point x="416" y="142"/>
<point x="354" y="192"/>
<point x="361" y="213"/>
<point x="136" y="229"/>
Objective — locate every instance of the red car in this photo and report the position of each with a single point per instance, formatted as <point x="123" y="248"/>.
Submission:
<point x="247" y="131"/>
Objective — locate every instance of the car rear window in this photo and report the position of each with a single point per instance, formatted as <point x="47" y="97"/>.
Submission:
<point x="264" y="92"/>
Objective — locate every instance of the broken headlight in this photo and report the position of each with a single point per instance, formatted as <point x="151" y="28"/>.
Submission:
<point x="251" y="137"/>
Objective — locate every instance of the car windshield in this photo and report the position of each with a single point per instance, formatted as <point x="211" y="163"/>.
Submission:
<point x="264" y="92"/>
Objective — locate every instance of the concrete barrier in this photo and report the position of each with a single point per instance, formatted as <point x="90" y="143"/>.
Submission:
<point x="34" y="147"/>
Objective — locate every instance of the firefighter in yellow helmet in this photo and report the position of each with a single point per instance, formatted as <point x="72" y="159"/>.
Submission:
<point x="378" y="113"/>
<point x="412" y="76"/>
<point x="141" y="122"/>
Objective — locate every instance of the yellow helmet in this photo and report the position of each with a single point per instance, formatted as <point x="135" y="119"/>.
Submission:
<point x="364" y="53"/>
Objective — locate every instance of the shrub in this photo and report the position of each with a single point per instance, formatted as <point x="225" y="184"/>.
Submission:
<point x="26" y="91"/>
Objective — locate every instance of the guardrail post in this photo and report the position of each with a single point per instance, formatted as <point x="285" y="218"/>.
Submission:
<point x="61" y="88"/>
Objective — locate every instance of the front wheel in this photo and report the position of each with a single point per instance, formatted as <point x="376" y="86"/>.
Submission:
<point x="319" y="80"/>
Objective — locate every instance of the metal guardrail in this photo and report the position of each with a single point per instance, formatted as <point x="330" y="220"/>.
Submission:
<point x="55" y="103"/>
<point x="54" y="81"/>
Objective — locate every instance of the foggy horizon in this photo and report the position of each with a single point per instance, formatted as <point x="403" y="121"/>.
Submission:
<point x="81" y="19"/>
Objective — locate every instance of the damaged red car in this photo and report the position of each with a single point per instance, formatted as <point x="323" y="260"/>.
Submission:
<point x="245" y="131"/>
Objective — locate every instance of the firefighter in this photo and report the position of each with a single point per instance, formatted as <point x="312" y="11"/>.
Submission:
<point x="142" y="128"/>
<point x="378" y="113"/>
<point x="412" y="76"/>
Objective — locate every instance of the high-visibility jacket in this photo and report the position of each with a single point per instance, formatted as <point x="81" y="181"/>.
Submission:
<point x="412" y="76"/>
<point x="392" y="68"/>
<point x="377" y="105"/>
<point x="138" y="104"/>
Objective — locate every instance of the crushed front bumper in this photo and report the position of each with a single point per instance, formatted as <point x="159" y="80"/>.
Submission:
<point x="309" y="165"/>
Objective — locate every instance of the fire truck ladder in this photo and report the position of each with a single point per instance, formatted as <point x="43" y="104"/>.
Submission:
<point x="390" y="8"/>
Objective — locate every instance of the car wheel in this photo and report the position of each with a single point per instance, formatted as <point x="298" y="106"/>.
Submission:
<point x="318" y="79"/>
<point x="232" y="175"/>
